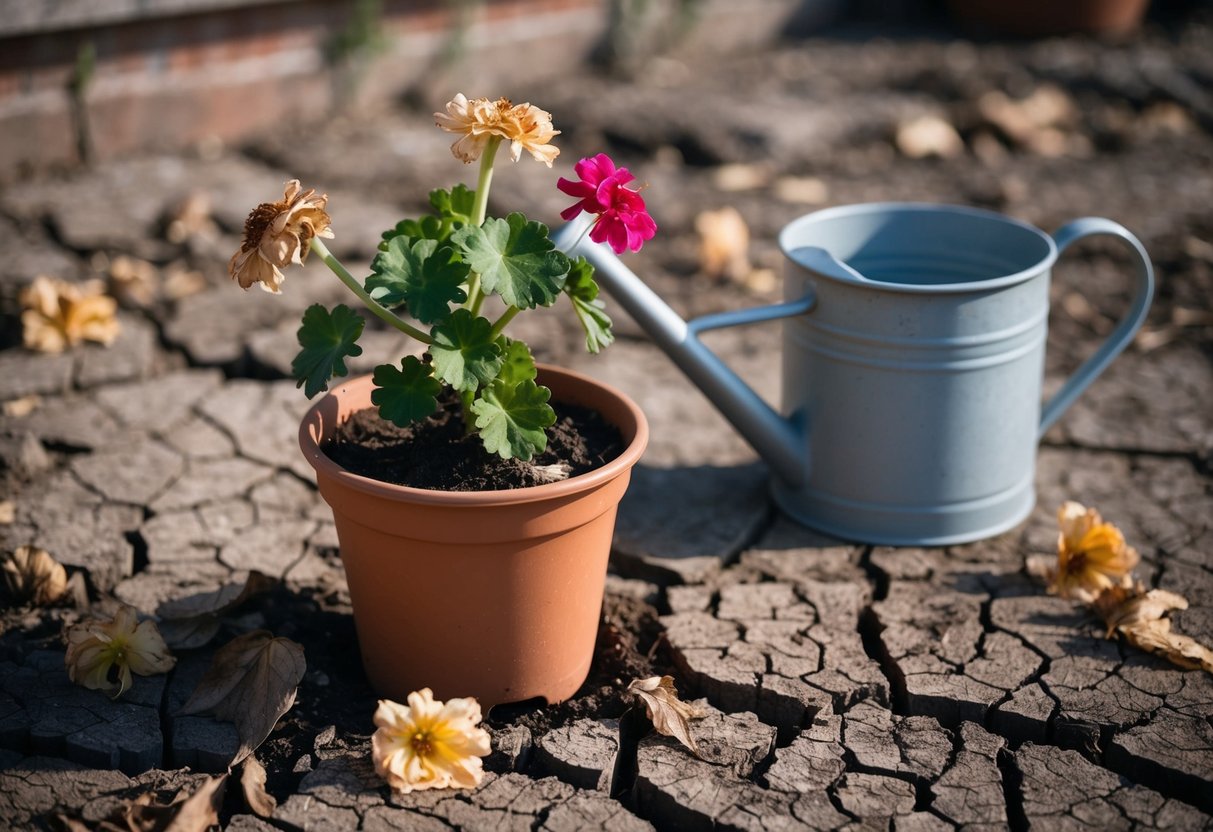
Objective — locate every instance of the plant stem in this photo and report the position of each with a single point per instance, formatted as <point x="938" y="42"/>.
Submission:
<point x="481" y="203"/>
<point x="352" y="284"/>
<point x="506" y="317"/>
<point x="469" y="418"/>
<point x="480" y="207"/>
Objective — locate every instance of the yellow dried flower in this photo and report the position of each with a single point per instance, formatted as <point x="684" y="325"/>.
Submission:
<point x="58" y="314"/>
<point x="1092" y="555"/>
<point x="524" y="126"/>
<point x="276" y="234"/>
<point x="101" y="655"/>
<point x="428" y="744"/>
<point x="31" y="574"/>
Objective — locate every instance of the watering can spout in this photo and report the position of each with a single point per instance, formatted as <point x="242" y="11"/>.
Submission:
<point x="776" y="439"/>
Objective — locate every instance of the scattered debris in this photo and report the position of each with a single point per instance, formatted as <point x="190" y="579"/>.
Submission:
<point x="929" y="137"/>
<point x="802" y="190"/>
<point x="134" y="282"/>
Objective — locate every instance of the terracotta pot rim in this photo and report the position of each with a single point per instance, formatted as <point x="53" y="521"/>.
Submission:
<point x="531" y="494"/>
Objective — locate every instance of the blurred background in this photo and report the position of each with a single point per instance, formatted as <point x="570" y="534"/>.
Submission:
<point x="135" y="135"/>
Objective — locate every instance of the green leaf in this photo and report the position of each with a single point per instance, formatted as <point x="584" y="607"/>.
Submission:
<point x="455" y="205"/>
<point x="425" y="227"/>
<point x="405" y="395"/>
<point x="511" y="419"/>
<point x="422" y="275"/>
<point x="516" y="259"/>
<point x="518" y="364"/>
<point x="583" y="292"/>
<point x="453" y="208"/>
<point x="464" y="353"/>
<point x="327" y="339"/>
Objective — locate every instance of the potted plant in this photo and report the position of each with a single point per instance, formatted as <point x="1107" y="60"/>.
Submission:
<point x="492" y="592"/>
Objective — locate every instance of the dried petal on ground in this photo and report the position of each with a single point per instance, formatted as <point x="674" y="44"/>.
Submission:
<point x="929" y="136"/>
<point x="252" y="682"/>
<point x="429" y="744"/>
<point x="1092" y="555"/>
<point x="134" y="282"/>
<point x="101" y="655"/>
<point x="191" y="622"/>
<point x="190" y="218"/>
<point x="668" y="713"/>
<point x="33" y="576"/>
<point x="252" y="783"/>
<point x="724" y="243"/>
<point x="58" y="315"/>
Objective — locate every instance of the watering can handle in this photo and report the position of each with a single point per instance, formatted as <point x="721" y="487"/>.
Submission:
<point x="1124" y="331"/>
<point x="777" y="440"/>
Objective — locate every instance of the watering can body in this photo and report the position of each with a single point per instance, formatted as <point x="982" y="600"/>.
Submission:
<point x="912" y="366"/>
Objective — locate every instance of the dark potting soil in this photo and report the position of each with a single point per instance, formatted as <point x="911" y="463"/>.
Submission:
<point x="435" y="454"/>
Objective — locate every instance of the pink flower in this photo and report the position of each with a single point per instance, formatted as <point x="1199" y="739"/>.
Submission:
<point x="623" y="222"/>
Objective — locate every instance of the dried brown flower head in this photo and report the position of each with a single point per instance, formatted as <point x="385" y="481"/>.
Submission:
<point x="58" y="314"/>
<point x="277" y="234"/>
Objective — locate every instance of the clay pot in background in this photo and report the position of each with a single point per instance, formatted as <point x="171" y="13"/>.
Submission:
<point x="493" y="594"/>
<point x="1052" y="17"/>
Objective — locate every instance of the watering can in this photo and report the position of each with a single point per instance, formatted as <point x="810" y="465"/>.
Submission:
<point x="912" y="365"/>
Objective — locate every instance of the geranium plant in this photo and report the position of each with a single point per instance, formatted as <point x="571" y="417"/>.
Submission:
<point x="433" y="273"/>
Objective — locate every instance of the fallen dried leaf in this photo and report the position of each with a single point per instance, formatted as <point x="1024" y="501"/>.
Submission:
<point x="191" y="622"/>
<point x="667" y="712"/>
<point x="33" y="576"/>
<point x="8" y="512"/>
<point x="252" y="682"/>
<point x="1180" y="650"/>
<point x="181" y="282"/>
<point x="252" y="783"/>
<point x="1141" y="618"/>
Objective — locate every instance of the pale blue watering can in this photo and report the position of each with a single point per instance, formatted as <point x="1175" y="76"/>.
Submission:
<point x="913" y="355"/>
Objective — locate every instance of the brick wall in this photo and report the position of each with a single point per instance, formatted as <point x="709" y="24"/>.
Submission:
<point x="103" y="78"/>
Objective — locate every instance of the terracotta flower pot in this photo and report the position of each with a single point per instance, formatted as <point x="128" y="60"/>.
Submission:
<point x="492" y="594"/>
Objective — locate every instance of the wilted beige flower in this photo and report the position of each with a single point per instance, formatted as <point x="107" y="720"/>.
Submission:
<point x="524" y="126"/>
<point x="58" y="314"/>
<point x="277" y="234"/>
<point x="428" y="744"/>
<point x="101" y="655"/>
<point x="529" y="128"/>
<point x="1092" y="555"/>
<point x="31" y="574"/>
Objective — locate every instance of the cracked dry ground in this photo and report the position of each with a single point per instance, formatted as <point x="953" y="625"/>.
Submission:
<point x="847" y="686"/>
